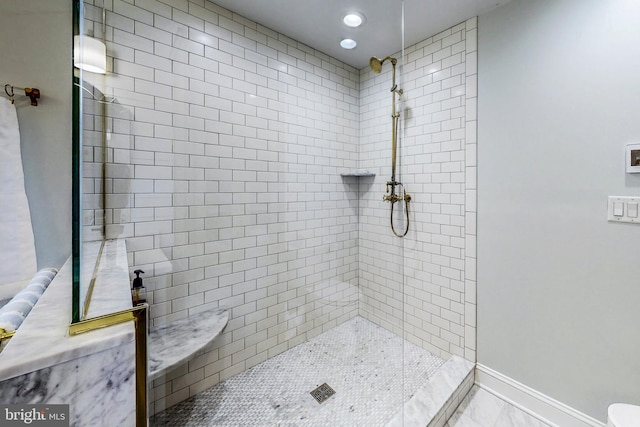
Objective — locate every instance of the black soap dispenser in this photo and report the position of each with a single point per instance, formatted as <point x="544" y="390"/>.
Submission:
<point x="137" y="292"/>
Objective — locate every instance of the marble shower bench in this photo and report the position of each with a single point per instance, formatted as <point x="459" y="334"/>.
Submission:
<point x="177" y="342"/>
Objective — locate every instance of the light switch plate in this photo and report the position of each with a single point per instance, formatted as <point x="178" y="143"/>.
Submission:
<point x="618" y="209"/>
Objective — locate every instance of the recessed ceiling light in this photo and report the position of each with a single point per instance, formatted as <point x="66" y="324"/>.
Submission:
<point x="353" y="20"/>
<point x="348" y="43"/>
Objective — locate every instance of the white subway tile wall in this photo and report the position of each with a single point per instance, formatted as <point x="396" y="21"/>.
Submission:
<point x="423" y="284"/>
<point x="92" y="155"/>
<point x="471" y="187"/>
<point x="226" y="143"/>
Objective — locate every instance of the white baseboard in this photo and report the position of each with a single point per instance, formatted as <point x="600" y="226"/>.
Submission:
<point x="531" y="401"/>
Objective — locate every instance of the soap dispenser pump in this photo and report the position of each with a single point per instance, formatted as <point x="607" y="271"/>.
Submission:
<point x="138" y="293"/>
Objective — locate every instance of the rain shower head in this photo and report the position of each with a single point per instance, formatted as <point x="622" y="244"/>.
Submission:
<point x="376" y="63"/>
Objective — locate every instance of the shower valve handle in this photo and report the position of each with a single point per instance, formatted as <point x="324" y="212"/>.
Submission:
<point x="392" y="196"/>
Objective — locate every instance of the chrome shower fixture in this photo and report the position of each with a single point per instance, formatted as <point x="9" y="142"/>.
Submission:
<point x="402" y="195"/>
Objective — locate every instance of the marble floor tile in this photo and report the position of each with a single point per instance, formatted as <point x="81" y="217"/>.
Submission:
<point x="362" y="362"/>
<point x="461" y="420"/>
<point x="514" y="417"/>
<point x="481" y="408"/>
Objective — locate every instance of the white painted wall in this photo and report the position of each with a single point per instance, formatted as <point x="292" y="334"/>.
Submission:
<point x="559" y="286"/>
<point x="35" y="41"/>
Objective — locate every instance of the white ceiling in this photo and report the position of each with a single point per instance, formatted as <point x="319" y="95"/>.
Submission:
<point x="318" y="23"/>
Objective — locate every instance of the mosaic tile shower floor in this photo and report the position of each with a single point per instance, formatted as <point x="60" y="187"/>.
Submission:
<point x="361" y="361"/>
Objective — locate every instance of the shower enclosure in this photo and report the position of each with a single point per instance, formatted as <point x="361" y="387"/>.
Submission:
<point x="229" y="160"/>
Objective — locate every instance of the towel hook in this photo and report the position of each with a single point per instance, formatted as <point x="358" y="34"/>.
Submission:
<point x="33" y="94"/>
<point x="10" y="95"/>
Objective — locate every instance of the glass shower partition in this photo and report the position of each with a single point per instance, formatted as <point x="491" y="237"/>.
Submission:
<point x="223" y="144"/>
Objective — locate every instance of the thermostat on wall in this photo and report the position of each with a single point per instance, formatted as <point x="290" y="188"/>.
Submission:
<point x="632" y="158"/>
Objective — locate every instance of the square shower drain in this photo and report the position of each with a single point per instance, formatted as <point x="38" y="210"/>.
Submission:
<point x="322" y="393"/>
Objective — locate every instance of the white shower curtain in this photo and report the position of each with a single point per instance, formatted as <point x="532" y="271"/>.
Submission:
<point x="17" y="247"/>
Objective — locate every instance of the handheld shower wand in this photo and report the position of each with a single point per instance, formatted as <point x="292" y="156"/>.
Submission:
<point x="391" y="196"/>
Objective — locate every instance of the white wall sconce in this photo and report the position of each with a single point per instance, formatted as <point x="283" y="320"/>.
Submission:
<point x="89" y="54"/>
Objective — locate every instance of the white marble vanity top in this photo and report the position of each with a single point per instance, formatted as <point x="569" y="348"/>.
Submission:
<point x="43" y="338"/>
<point x="176" y="342"/>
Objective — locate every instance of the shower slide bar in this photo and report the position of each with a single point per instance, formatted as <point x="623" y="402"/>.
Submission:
<point x="391" y="196"/>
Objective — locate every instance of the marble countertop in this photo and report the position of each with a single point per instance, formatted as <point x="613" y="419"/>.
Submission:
<point x="177" y="342"/>
<point x="43" y="339"/>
